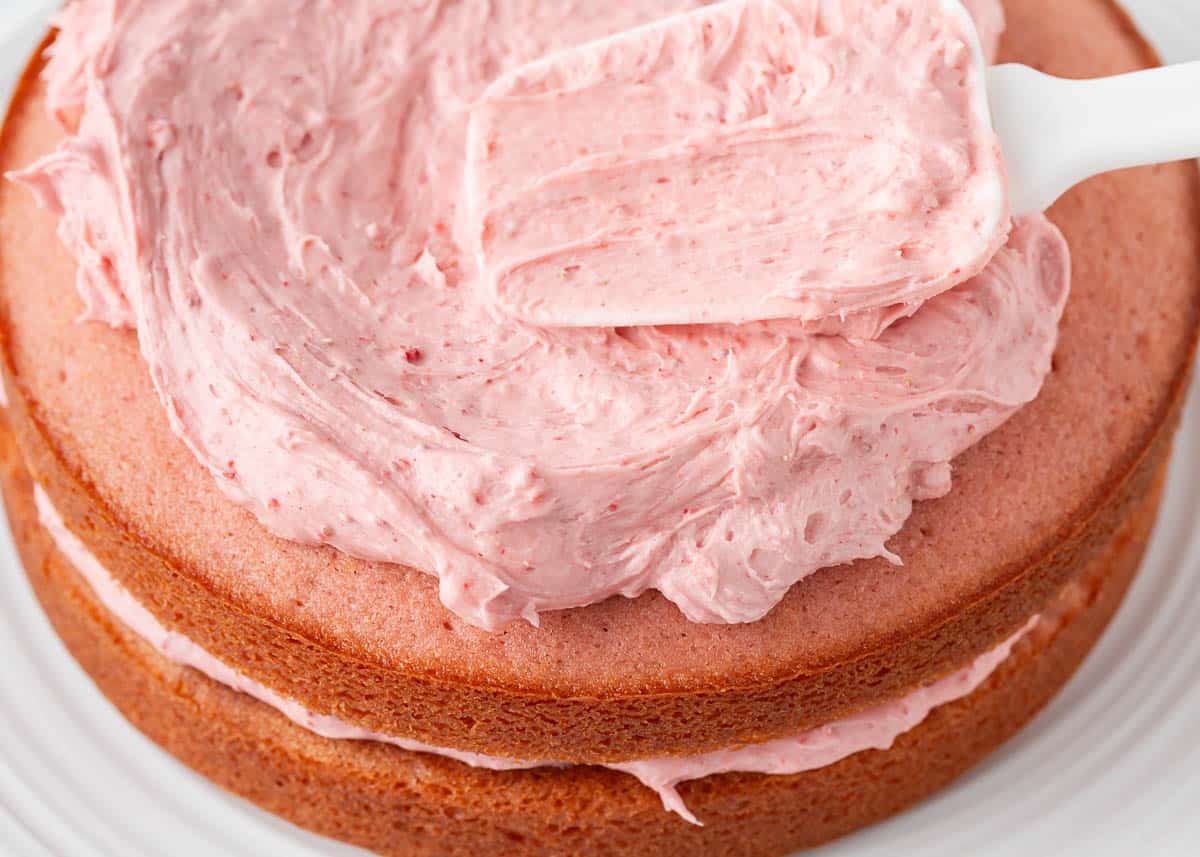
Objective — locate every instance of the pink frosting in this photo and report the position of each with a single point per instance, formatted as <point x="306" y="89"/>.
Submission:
<point x="279" y="220"/>
<point x="875" y="728"/>
<point x="754" y="159"/>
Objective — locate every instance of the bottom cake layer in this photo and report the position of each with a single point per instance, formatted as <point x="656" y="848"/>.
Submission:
<point x="398" y="802"/>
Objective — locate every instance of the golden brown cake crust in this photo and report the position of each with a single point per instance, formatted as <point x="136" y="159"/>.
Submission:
<point x="404" y="804"/>
<point x="626" y="679"/>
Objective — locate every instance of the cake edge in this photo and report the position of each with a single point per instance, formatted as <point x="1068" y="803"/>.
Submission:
<point x="400" y="803"/>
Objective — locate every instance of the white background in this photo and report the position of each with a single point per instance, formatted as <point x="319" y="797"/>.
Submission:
<point x="1112" y="768"/>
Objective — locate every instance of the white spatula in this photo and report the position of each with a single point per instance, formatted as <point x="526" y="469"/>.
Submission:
<point x="1055" y="133"/>
<point x="574" y="164"/>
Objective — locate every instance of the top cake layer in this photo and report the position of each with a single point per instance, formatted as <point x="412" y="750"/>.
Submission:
<point x="280" y="220"/>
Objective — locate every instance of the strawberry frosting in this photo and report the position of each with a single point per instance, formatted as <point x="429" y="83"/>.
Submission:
<point x="754" y="159"/>
<point x="873" y="728"/>
<point x="270" y="194"/>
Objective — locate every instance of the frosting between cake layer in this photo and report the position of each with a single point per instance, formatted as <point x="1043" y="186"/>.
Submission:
<point x="284" y="233"/>
<point x="874" y="728"/>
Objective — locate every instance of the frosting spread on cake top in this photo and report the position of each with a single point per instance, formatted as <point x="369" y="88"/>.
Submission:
<point x="751" y="160"/>
<point x="269" y="193"/>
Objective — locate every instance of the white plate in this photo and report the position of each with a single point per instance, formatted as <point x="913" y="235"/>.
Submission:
<point x="1111" y="768"/>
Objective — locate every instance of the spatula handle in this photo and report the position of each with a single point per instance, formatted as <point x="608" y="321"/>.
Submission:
<point x="1055" y="133"/>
